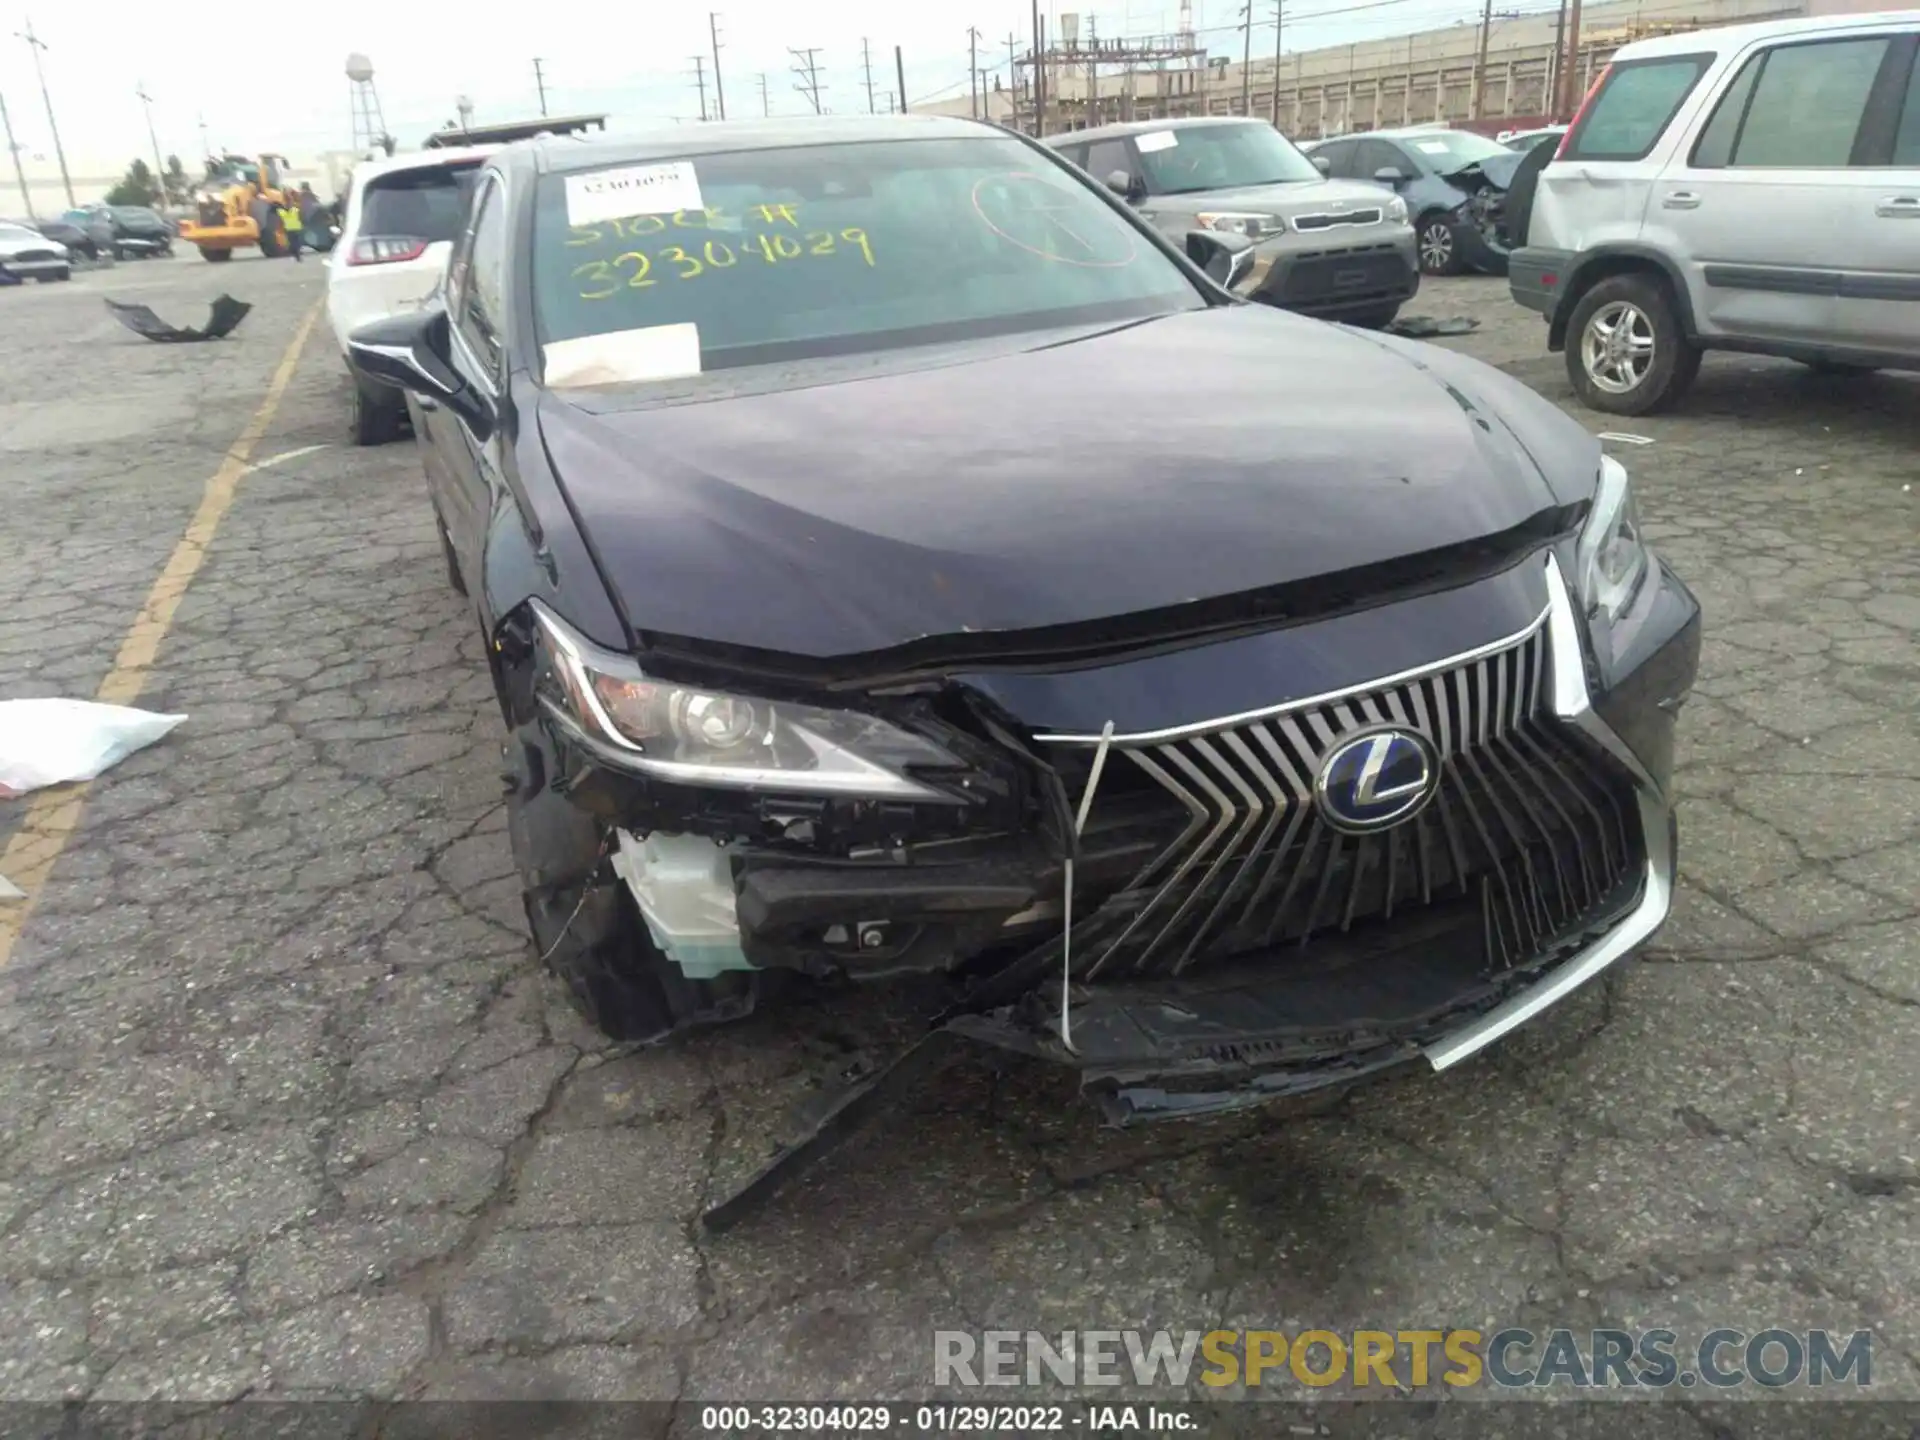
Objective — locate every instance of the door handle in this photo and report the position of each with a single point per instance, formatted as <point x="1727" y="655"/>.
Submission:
<point x="1681" y="200"/>
<point x="1899" y="207"/>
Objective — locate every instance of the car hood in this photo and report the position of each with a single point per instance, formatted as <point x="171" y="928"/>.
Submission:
<point x="1305" y="198"/>
<point x="1192" y="457"/>
<point x="1495" y="170"/>
<point x="19" y="245"/>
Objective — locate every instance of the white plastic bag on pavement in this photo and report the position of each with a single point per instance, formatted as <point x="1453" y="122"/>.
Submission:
<point x="56" y="742"/>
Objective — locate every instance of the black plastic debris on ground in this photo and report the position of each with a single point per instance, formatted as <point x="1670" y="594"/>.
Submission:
<point x="227" y="312"/>
<point x="1426" y="327"/>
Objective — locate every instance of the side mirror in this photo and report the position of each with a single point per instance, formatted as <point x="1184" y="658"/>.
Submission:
<point x="1120" y="183"/>
<point x="1322" y="164"/>
<point x="1224" y="255"/>
<point x="1389" y="175"/>
<point x="414" y="351"/>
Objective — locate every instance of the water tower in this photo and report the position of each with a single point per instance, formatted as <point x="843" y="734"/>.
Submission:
<point x="369" y="125"/>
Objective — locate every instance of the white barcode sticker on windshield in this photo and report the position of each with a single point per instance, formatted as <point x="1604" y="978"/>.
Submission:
<point x="1156" y="140"/>
<point x="632" y="190"/>
<point x="1431" y="147"/>
<point x="624" y="357"/>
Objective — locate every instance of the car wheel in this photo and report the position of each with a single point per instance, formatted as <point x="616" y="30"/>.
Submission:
<point x="375" y="415"/>
<point x="1626" y="353"/>
<point x="1439" y="247"/>
<point x="1837" y="370"/>
<point x="586" y="928"/>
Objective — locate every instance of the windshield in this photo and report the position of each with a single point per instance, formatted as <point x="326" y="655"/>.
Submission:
<point x="10" y="231"/>
<point x="1445" y="150"/>
<point x="1220" y="157"/>
<point x="646" y="271"/>
<point x="427" y="204"/>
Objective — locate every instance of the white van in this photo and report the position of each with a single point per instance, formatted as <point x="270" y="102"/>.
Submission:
<point x="1755" y="188"/>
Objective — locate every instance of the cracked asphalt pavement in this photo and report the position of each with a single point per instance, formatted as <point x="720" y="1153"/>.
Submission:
<point x="288" y="1108"/>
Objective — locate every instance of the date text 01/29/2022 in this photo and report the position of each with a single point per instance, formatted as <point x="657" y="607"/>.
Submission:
<point x="962" y="1419"/>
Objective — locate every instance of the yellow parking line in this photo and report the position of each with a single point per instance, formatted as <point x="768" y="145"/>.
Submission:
<point x="53" y="815"/>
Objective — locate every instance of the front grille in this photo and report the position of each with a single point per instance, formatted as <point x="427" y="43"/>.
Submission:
<point x="1528" y="823"/>
<point x="1342" y="217"/>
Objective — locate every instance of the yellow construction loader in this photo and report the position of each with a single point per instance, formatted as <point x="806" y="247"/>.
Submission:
<point x="239" y="204"/>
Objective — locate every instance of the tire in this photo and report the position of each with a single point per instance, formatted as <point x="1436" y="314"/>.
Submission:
<point x="375" y="415"/>
<point x="1377" y="317"/>
<point x="1837" y="370"/>
<point x="218" y="256"/>
<point x="1439" y="246"/>
<point x="1648" y="367"/>
<point x="273" y="242"/>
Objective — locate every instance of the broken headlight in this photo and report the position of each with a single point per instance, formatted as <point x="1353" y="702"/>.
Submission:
<point x="1612" y="556"/>
<point x="699" y="736"/>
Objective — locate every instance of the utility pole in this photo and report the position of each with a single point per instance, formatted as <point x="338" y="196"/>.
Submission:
<point x="719" y="90"/>
<point x="1246" y="59"/>
<point x="1480" y="62"/>
<point x="1013" y="77"/>
<point x="700" y="79"/>
<point x="159" y="169"/>
<point x="206" y="142"/>
<point x="806" y="65"/>
<point x="900" y="77"/>
<point x="973" y="69"/>
<point x="866" y="64"/>
<point x="766" y="106"/>
<point x="13" y="149"/>
<point x="1039" y="72"/>
<point x="1279" y="15"/>
<point x="1570" y="63"/>
<point x="37" y="45"/>
<point x="1093" y="74"/>
<point x="540" y="84"/>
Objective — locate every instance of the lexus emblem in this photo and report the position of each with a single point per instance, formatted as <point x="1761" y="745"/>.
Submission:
<point x="1375" y="780"/>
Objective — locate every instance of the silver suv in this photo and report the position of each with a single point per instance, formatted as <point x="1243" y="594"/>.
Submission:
<point x="1337" y="249"/>
<point x="1755" y="188"/>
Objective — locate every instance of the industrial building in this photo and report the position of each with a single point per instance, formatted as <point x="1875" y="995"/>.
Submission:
<point x="1432" y="76"/>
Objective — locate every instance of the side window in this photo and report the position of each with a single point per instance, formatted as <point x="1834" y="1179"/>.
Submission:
<point x="1714" y="148"/>
<point x="1370" y="157"/>
<point x="1339" y="157"/>
<point x="1106" y="156"/>
<point x="1906" y="140"/>
<point x="1074" y="155"/>
<point x="1633" y="106"/>
<point x="1807" y="104"/>
<point x="483" y="304"/>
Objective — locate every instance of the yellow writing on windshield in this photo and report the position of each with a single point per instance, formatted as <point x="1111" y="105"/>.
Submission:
<point x="692" y="258"/>
<point x="633" y="227"/>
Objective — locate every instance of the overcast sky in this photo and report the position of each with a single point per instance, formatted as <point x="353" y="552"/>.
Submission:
<point x="272" y="76"/>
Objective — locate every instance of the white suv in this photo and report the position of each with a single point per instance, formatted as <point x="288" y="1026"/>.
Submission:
<point x="402" y="217"/>
<point x="1755" y="188"/>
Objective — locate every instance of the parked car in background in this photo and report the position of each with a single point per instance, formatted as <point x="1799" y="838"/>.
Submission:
<point x="1755" y="188"/>
<point x="28" y="255"/>
<point x="79" y="244"/>
<point x="1280" y="704"/>
<point x="401" y="217"/>
<point x="97" y="225"/>
<point x="1324" y="247"/>
<point x="1453" y="183"/>
<point x="1527" y="140"/>
<point x="138" y="231"/>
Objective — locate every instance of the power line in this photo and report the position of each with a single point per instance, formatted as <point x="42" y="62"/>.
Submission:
<point x="700" y="79"/>
<point x="806" y="67"/>
<point x="713" y="34"/>
<point x="973" y="69"/>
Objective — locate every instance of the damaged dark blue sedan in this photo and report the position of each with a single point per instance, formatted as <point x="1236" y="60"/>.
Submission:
<point x="895" y="558"/>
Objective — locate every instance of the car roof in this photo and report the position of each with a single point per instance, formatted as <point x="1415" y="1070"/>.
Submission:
<point x="553" y="154"/>
<point x="1144" y="127"/>
<point x="1734" y="37"/>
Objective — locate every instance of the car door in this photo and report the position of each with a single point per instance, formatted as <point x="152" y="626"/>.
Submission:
<point x="1339" y="155"/>
<point x="464" y="471"/>
<point x="1595" y="193"/>
<point x="1879" y="254"/>
<point x="1754" y="211"/>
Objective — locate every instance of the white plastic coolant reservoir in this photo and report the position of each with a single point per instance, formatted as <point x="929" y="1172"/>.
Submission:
<point x="683" y="885"/>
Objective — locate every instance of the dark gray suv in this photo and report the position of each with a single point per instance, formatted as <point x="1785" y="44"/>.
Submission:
<point x="1330" y="248"/>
